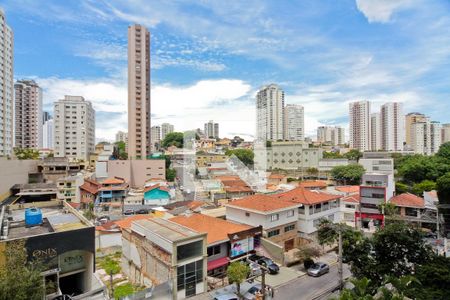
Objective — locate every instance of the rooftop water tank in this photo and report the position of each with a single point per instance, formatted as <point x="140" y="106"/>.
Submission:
<point x="33" y="216"/>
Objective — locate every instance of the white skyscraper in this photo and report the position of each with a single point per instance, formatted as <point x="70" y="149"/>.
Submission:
<point x="392" y="127"/>
<point x="74" y="128"/>
<point x="121" y="136"/>
<point x="6" y="87"/>
<point x="294" y="122"/>
<point x="155" y="135"/>
<point x="212" y="129"/>
<point x="47" y="134"/>
<point x="333" y="135"/>
<point x="166" y="128"/>
<point x="421" y="137"/>
<point x="375" y="131"/>
<point x="435" y="136"/>
<point x="270" y="113"/>
<point x="360" y="125"/>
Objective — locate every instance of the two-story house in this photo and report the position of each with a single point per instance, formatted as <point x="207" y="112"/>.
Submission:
<point x="221" y="244"/>
<point x="415" y="210"/>
<point x="277" y="217"/>
<point x="111" y="194"/>
<point x="314" y="205"/>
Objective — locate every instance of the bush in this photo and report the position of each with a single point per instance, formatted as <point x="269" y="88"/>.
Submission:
<point x="308" y="263"/>
<point x="290" y="179"/>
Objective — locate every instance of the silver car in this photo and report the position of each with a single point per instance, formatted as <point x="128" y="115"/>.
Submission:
<point x="318" y="269"/>
<point x="251" y="293"/>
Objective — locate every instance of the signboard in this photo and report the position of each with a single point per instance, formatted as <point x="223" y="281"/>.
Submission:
<point x="241" y="246"/>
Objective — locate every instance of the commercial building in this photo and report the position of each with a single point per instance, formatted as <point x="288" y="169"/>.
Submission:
<point x="291" y="156"/>
<point x="28" y="114"/>
<point x="294" y="122"/>
<point x="47" y="134"/>
<point x="211" y="130"/>
<point x="159" y="252"/>
<point x="360" y="125"/>
<point x="136" y="172"/>
<point x="270" y="113"/>
<point x="6" y="87"/>
<point x="155" y="137"/>
<point x="61" y="238"/>
<point x="277" y="217"/>
<point x="410" y="119"/>
<point x="333" y="135"/>
<point x="392" y="127"/>
<point x="139" y="113"/>
<point x="74" y="126"/>
<point x="375" y="132"/>
<point x="167" y="128"/>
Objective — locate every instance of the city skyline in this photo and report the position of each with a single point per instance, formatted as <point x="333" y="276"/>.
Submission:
<point x="223" y="65"/>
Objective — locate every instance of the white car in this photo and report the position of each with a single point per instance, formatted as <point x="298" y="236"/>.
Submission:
<point x="228" y="296"/>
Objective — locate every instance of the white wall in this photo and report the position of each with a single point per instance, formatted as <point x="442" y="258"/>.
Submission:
<point x="306" y="221"/>
<point x="255" y="219"/>
<point x="15" y="172"/>
<point x="108" y="240"/>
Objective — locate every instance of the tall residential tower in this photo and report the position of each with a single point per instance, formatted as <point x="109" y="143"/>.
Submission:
<point x="294" y="122"/>
<point x="270" y="113"/>
<point x="392" y="127"/>
<point x="360" y="125"/>
<point x="139" y="142"/>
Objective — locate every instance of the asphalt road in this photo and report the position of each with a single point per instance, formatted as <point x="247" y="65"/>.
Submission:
<point x="309" y="288"/>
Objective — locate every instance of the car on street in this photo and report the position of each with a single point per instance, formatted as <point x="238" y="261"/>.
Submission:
<point x="128" y="212"/>
<point x="318" y="269"/>
<point x="255" y="269"/>
<point x="142" y="211"/>
<point x="251" y="293"/>
<point x="227" y="296"/>
<point x="272" y="267"/>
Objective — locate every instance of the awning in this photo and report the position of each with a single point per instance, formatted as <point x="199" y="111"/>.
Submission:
<point x="213" y="264"/>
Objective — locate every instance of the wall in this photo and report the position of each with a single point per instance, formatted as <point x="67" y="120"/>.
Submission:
<point x="255" y="219"/>
<point x="14" y="172"/>
<point x="106" y="240"/>
<point x="223" y="252"/>
<point x="306" y="221"/>
<point x="276" y="251"/>
<point x="137" y="172"/>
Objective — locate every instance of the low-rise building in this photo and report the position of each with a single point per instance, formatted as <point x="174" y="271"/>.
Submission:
<point x="327" y="164"/>
<point x="157" y="195"/>
<point x="277" y="217"/>
<point x="69" y="189"/>
<point x="377" y="162"/>
<point x="313" y="184"/>
<point x="54" y="168"/>
<point x="111" y="194"/>
<point x="88" y="192"/>
<point x="415" y="210"/>
<point x="276" y="179"/>
<point x="137" y="172"/>
<point x="158" y="251"/>
<point x="205" y="160"/>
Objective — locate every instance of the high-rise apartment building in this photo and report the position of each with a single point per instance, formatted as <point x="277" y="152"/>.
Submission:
<point x="28" y="114"/>
<point x="270" y="113"/>
<point x="435" y="136"/>
<point x="74" y="128"/>
<point x="155" y="137"/>
<point x="392" y="127"/>
<point x="46" y="116"/>
<point x="47" y="134"/>
<point x="420" y="137"/>
<point x="121" y="136"/>
<point x="139" y="143"/>
<point x="411" y="118"/>
<point x="294" y="122"/>
<point x="333" y="135"/>
<point x="445" y="133"/>
<point x="212" y="130"/>
<point x="360" y="125"/>
<point x="375" y="131"/>
<point x="167" y="128"/>
<point x="6" y="87"/>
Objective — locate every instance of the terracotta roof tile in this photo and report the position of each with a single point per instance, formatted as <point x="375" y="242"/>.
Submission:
<point x="113" y="180"/>
<point x="89" y="188"/>
<point x="126" y="223"/>
<point x="408" y="200"/>
<point x="156" y="186"/>
<point x="217" y="229"/>
<point x="313" y="184"/>
<point x="276" y="176"/>
<point x="355" y="198"/>
<point x="306" y="196"/>
<point x="262" y="203"/>
<point x="349" y="189"/>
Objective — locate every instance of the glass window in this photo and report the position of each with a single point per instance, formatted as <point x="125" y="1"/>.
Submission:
<point x="289" y="228"/>
<point x="301" y="210"/>
<point x="290" y="213"/>
<point x="274" y="217"/>
<point x="189" y="250"/>
<point x="213" y="250"/>
<point x="273" y="233"/>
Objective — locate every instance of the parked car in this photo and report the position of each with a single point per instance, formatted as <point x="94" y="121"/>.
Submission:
<point x="128" y="212"/>
<point x="251" y="293"/>
<point x="255" y="257"/>
<point x="142" y="211"/>
<point x="318" y="269"/>
<point x="272" y="267"/>
<point x="227" y="296"/>
<point x="255" y="269"/>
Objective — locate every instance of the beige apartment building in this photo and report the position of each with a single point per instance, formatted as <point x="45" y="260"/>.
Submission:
<point x="139" y="143"/>
<point x="6" y="87"/>
<point x="360" y="125"/>
<point x="74" y="128"/>
<point x="410" y="119"/>
<point x="28" y="114"/>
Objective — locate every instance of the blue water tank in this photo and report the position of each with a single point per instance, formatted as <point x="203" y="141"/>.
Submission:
<point x="33" y="216"/>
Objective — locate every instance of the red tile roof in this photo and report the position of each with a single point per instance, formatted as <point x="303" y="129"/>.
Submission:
<point x="355" y="198"/>
<point x="126" y="223"/>
<point x="156" y="186"/>
<point x="349" y="189"/>
<point x="306" y="196"/>
<point x="262" y="203"/>
<point x="313" y="184"/>
<point x="276" y="176"/>
<point x="408" y="200"/>
<point x="217" y="229"/>
<point x="237" y="189"/>
<point x="90" y="187"/>
<point x="113" y="180"/>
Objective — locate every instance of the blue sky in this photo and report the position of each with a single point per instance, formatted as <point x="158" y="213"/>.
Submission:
<point x="210" y="57"/>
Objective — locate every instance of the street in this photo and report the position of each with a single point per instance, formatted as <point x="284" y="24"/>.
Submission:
<point x="309" y="288"/>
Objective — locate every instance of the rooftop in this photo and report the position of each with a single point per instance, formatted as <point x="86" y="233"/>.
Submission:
<point x="156" y="186"/>
<point x="408" y="200"/>
<point x="217" y="229"/>
<point x="166" y="229"/>
<point x="113" y="180"/>
<point x="348" y="189"/>
<point x="313" y="184"/>
<point x="306" y="196"/>
<point x="126" y="222"/>
<point x="262" y="203"/>
<point x="58" y="216"/>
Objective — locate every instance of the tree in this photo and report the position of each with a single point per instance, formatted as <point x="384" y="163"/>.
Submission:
<point x="26" y="153"/>
<point x="330" y="154"/>
<point x="312" y="171"/>
<point x="432" y="280"/>
<point x="353" y="154"/>
<point x="20" y="279"/>
<point x="246" y="156"/>
<point x="171" y="174"/>
<point x="306" y="253"/>
<point x="417" y="168"/>
<point x="237" y="272"/>
<point x="350" y="174"/>
<point x="173" y="139"/>
<point x="121" y="153"/>
<point x="425" y="185"/>
<point x="443" y="192"/>
<point x="444" y="151"/>
<point x="401" y="188"/>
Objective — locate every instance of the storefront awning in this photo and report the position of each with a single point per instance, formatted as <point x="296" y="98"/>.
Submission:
<point x="217" y="263"/>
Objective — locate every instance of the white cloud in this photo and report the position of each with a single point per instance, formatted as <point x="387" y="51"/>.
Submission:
<point x="381" y="10"/>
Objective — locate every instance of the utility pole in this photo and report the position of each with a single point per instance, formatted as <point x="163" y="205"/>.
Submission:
<point x="437" y="222"/>
<point x="263" y="283"/>
<point x="340" y="269"/>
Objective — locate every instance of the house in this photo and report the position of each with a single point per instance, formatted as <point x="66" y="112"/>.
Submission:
<point x="69" y="189"/>
<point x="313" y="205"/>
<point x="234" y="187"/>
<point x="347" y="190"/>
<point x="349" y="207"/>
<point x="277" y="179"/>
<point x="313" y="184"/>
<point x="156" y="195"/>
<point x="220" y="248"/>
<point x="88" y="192"/>
<point x="111" y="194"/>
<point x="205" y="160"/>
<point x="158" y="251"/>
<point x="377" y="162"/>
<point x="413" y="209"/>
<point x="277" y="217"/>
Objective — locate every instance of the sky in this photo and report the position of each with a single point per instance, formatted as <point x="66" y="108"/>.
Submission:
<point x="209" y="58"/>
